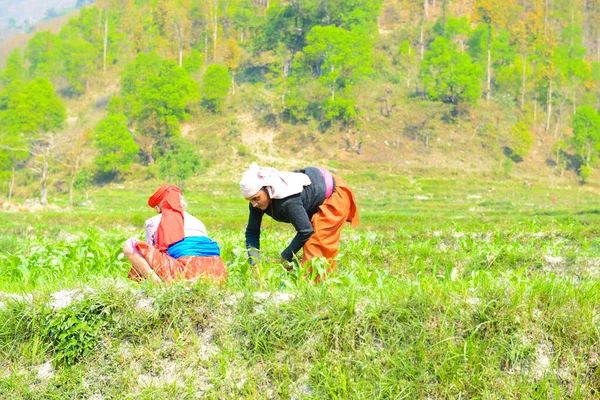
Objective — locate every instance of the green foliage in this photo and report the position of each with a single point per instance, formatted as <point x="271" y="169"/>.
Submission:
<point x="76" y="70"/>
<point x="75" y="331"/>
<point x="83" y="179"/>
<point x="116" y="105"/>
<point x="193" y="62"/>
<point x="179" y="163"/>
<point x="449" y="75"/>
<point x="115" y="144"/>
<point x="341" y="109"/>
<point x="520" y="141"/>
<point x="15" y="70"/>
<point x="508" y="164"/>
<point x="35" y="109"/>
<point x="586" y="134"/>
<point x="216" y="84"/>
<point x="338" y="56"/>
<point x="39" y="52"/>
<point x="585" y="173"/>
<point x="157" y="93"/>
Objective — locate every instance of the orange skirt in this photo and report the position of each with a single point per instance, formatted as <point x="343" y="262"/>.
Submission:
<point x="187" y="267"/>
<point x="328" y="222"/>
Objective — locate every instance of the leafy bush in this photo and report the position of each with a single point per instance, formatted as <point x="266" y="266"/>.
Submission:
<point x="76" y="330"/>
<point x="115" y="144"/>
<point x="521" y="140"/>
<point x="180" y="163"/>
<point x="215" y="87"/>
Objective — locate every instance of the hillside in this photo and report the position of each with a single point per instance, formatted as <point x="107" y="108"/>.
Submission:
<point x="379" y="85"/>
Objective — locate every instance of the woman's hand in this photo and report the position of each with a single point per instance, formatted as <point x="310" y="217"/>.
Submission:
<point x="288" y="265"/>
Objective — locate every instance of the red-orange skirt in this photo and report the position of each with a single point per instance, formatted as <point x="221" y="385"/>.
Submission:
<point x="187" y="267"/>
<point x="328" y="222"/>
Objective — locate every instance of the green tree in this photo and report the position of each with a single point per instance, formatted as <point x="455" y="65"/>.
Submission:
<point x="449" y="75"/>
<point x="572" y="70"/>
<point x="494" y="14"/>
<point x="244" y="15"/>
<point x="179" y="163"/>
<point x="12" y="78"/>
<point x="232" y="59"/>
<point x="76" y="70"/>
<point x="337" y="56"/>
<point x="215" y="86"/>
<point x="13" y="151"/>
<point x="35" y="109"/>
<point x="39" y="52"/>
<point x="28" y="121"/>
<point x="156" y="95"/>
<point x="15" y="70"/>
<point x="586" y="135"/>
<point x="520" y="141"/>
<point x="115" y="145"/>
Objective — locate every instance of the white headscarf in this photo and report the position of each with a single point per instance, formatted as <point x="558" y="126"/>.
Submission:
<point x="279" y="184"/>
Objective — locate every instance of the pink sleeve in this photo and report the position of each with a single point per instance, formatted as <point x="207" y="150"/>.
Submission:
<point x="151" y="227"/>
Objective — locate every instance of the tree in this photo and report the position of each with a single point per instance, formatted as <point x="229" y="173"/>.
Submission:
<point x="337" y="56"/>
<point x="586" y="134"/>
<point x="449" y="75"/>
<point x="232" y="59"/>
<point x="156" y="94"/>
<point x="29" y="116"/>
<point x="520" y="141"/>
<point x="215" y="86"/>
<point x="44" y="150"/>
<point x="493" y="13"/>
<point x="179" y="163"/>
<point x="244" y="16"/>
<point x="13" y="151"/>
<point x="77" y="139"/>
<point x="35" y="109"/>
<point x="115" y="144"/>
<point x="76" y="70"/>
<point x="15" y="70"/>
<point x="569" y="61"/>
<point x="43" y="61"/>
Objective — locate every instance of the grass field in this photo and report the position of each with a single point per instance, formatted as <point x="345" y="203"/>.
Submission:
<point x="452" y="287"/>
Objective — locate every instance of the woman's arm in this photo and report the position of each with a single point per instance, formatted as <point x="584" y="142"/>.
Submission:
<point x="299" y="219"/>
<point x="253" y="234"/>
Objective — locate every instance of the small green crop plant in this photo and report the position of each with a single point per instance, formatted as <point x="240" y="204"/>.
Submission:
<point x="76" y="330"/>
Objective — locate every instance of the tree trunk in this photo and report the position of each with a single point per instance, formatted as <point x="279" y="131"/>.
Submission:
<point x="215" y="27"/>
<point x="43" y="179"/>
<point x="105" y="39"/>
<point x="206" y="47"/>
<point x="180" y="53"/>
<point x="489" y="64"/>
<point x="421" y="38"/>
<point x="232" y="83"/>
<point x="588" y="156"/>
<point x="426" y="7"/>
<point x="523" y="80"/>
<point x="408" y="67"/>
<point x="535" y="109"/>
<point x="72" y="183"/>
<point x="332" y="86"/>
<point x="549" y="106"/>
<point x="12" y="183"/>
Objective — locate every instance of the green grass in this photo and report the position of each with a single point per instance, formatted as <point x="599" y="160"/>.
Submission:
<point x="451" y="287"/>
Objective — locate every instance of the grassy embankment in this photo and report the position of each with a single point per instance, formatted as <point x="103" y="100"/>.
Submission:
<point x="452" y="287"/>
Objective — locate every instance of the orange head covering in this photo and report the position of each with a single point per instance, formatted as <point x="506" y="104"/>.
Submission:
<point x="170" y="229"/>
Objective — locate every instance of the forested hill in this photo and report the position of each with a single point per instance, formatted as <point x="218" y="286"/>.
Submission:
<point x="167" y="88"/>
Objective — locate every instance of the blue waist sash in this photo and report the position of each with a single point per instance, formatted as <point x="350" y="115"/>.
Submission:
<point x="194" y="246"/>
